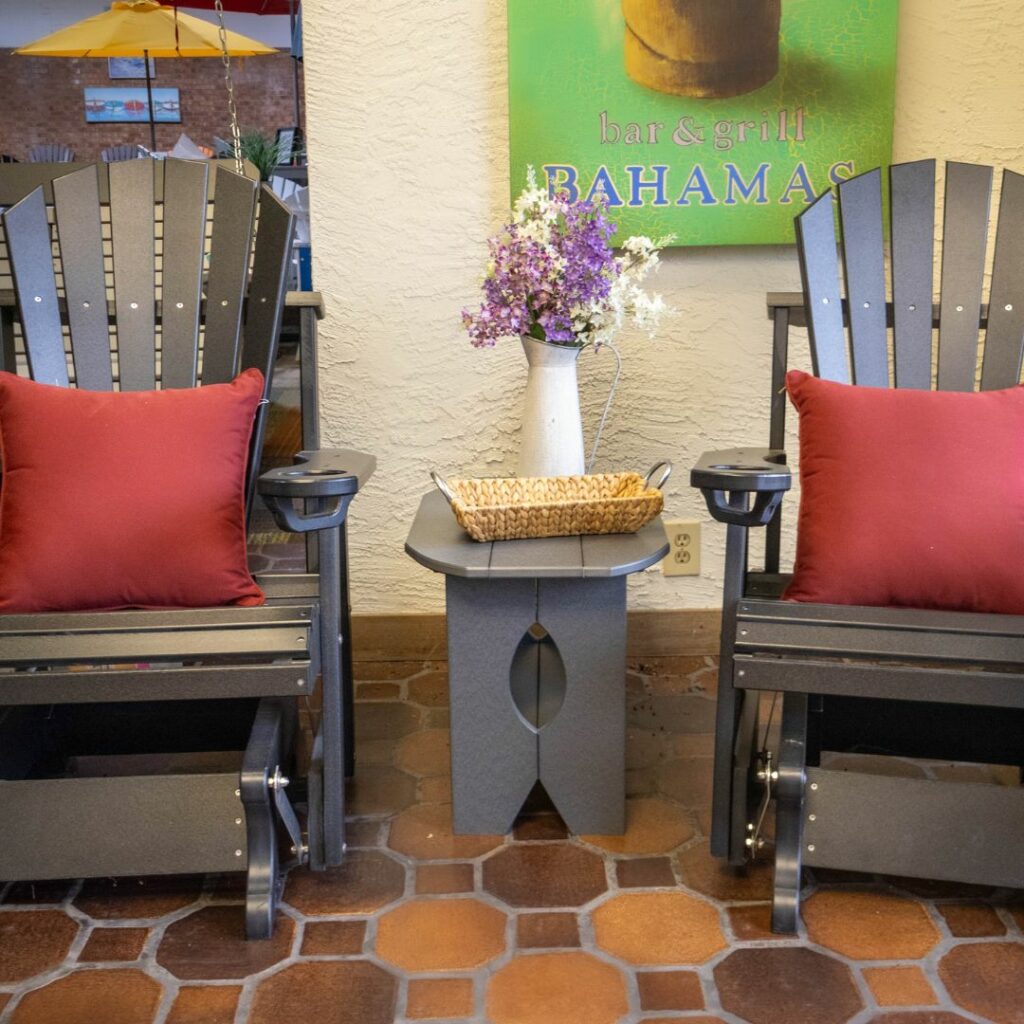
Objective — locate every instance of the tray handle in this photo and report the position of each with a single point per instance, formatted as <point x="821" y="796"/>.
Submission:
<point x="666" y="471"/>
<point x="441" y="484"/>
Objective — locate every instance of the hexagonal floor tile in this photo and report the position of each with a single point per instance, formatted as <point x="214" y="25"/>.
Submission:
<point x="545" y="875"/>
<point x="354" y="992"/>
<point x="427" y="753"/>
<point x="652" y="826"/>
<point x="658" y="928"/>
<point x="113" y="997"/>
<point x="919" y="1017"/>
<point x="205" y="1004"/>
<point x="127" y="898"/>
<point x="376" y="790"/>
<point x="987" y="978"/>
<point x="714" y="877"/>
<point x="869" y="925"/>
<point x="795" y="985"/>
<point x="905" y="985"/>
<point x="364" y="882"/>
<point x="570" y="988"/>
<point x="33" y="941"/>
<point x="425" y="833"/>
<point x="211" y="944"/>
<point x="441" y="935"/>
<point x="384" y="720"/>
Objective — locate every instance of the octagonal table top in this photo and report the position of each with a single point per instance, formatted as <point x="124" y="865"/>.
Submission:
<point x="437" y="541"/>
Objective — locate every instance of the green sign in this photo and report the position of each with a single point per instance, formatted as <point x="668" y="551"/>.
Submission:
<point x="713" y="120"/>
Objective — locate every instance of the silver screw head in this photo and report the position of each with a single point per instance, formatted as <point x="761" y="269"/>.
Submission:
<point x="814" y="785"/>
<point x="238" y="853"/>
<point x="37" y="298"/>
<point x="133" y="305"/>
<point x="959" y="309"/>
<point x="810" y="847"/>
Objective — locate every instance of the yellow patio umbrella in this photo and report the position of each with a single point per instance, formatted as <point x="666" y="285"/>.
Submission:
<point x="146" y="28"/>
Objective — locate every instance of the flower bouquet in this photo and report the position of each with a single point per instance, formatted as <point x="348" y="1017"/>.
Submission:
<point x="554" y="281"/>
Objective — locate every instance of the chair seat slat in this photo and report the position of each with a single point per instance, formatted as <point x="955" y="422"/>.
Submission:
<point x="1004" y="338"/>
<point x="271" y="641"/>
<point x="819" y="267"/>
<point x="912" y="220"/>
<point x="860" y="208"/>
<point x="196" y="682"/>
<point x="964" y="238"/>
<point x="77" y="213"/>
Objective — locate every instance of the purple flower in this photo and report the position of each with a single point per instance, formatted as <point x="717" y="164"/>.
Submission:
<point x="548" y="270"/>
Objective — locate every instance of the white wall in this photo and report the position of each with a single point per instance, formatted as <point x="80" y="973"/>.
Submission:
<point x="22" y="21"/>
<point x="408" y="122"/>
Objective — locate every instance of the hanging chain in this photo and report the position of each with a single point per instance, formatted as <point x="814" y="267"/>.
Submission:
<point x="225" y="56"/>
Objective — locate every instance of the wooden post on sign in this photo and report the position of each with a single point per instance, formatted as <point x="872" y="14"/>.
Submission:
<point x="707" y="48"/>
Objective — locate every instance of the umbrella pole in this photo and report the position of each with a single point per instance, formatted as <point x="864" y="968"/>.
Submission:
<point x="296" y="89"/>
<point x="149" y="103"/>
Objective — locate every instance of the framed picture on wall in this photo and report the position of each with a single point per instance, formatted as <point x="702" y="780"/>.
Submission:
<point x="131" y="105"/>
<point x="714" y="122"/>
<point x="130" y="67"/>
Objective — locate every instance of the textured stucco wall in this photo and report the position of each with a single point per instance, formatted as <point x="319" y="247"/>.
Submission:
<point x="408" y="120"/>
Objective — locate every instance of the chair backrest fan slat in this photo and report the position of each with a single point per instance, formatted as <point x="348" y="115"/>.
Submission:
<point x="30" y="251"/>
<point x="234" y="208"/>
<point x="964" y="239"/>
<point x="133" y="235"/>
<point x="265" y="306"/>
<point x="860" y="213"/>
<point x="80" y="233"/>
<point x="819" y="268"/>
<point x="184" y="240"/>
<point x="1004" y="339"/>
<point x="912" y="231"/>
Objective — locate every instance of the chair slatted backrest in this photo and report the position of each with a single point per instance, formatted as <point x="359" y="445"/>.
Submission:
<point x="845" y="294"/>
<point x="124" y="151"/>
<point x="170" y="293"/>
<point x="51" y="153"/>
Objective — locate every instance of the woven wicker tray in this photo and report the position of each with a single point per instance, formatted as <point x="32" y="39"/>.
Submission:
<point x="555" y="506"/>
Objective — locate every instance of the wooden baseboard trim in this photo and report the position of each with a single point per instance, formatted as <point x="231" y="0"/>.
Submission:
<point x="684" y="632"/>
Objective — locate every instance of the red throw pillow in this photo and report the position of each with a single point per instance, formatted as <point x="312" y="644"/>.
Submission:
<point x="124" y="499"/>
<point x="912" y="498"/>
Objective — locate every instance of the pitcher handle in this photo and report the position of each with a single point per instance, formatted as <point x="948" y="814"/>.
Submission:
<point x="607" y="404"/>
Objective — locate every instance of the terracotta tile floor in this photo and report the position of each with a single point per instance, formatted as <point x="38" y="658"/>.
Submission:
<point x="536" y="927"/>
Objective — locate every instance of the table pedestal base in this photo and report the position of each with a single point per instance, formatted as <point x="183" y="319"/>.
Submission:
<point x="537" y="673"/>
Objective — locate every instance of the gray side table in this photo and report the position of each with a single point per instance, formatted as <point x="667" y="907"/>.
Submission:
<point x="536" y="667"/>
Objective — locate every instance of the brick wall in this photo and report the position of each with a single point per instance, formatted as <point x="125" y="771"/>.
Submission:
<point x="41" y="100"/>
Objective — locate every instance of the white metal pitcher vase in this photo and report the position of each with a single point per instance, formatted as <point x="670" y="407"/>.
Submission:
<point x="552" y="438"/>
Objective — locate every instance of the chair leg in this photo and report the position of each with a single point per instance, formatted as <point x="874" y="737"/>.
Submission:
<point x="262" y="757"/>
<point x="728" y="802"/>
<point x="347" y="679"/>
<point x="789" y="814"/>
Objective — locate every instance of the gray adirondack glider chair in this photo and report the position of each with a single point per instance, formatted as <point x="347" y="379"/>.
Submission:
<point x="916" y="683"/>
<point x="213" y="692"/>
<point x="51" y="153"/>
<point x="124" y="151"/>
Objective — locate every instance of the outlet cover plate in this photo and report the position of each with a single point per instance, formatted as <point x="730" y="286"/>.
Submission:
<point x="683" y="558"/>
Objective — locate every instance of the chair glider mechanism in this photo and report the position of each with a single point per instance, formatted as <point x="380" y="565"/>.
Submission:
<point x="936" y="685"/>
<point x="151" y="742"/>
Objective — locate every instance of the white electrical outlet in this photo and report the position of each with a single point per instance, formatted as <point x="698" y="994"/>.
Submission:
<point x="683" y="558"/>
